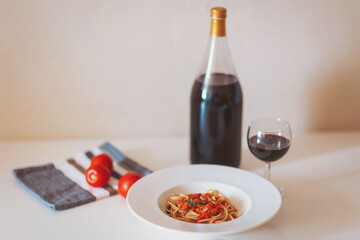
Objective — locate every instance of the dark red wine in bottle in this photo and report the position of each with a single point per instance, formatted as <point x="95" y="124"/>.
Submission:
<point x="216" y="103"/>
<point x="269" y="147"/>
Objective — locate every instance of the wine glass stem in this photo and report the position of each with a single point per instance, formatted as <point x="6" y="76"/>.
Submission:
<point x="267" y="171"/>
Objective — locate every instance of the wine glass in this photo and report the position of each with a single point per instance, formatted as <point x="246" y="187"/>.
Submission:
<point x="269" y="139"/>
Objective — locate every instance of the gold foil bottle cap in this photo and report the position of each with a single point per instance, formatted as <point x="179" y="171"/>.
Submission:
<point x="218" y="16"/>
<point x="218" y="13"/>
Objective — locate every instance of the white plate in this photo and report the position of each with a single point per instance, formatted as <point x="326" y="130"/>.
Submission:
<point x="256" y="198"/>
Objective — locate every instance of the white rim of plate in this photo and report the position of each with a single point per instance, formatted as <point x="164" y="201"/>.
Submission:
<point x="142" y="198"/>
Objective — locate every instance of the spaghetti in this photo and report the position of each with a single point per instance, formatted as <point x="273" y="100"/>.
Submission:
<point x="210" y="207"/>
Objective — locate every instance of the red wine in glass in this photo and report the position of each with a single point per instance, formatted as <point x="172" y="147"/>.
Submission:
<point x="269" y="139"/>
<point x="268" y="147"/>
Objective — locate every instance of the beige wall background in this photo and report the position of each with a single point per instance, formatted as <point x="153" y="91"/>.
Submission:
<point x="73" y="68"/>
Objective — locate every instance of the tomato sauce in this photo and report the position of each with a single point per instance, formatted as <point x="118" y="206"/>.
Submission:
<point x="205" y="205"/>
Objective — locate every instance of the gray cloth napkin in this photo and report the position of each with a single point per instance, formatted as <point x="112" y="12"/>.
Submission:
<point x="62" y="185"/>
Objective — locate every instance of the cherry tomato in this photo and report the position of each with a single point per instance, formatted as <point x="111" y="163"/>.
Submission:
<point x="103" y="159"/>
<point x="126" y="181"/>
<point x="97" y="175"/>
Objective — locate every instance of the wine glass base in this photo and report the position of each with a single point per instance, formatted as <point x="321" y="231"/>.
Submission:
<point x="282" y="192"/>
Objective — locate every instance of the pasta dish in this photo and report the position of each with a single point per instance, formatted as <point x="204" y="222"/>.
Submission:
<point x="210" y="207"/>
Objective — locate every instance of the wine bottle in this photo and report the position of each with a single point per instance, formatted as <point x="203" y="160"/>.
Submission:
<point x="216" y="102"/>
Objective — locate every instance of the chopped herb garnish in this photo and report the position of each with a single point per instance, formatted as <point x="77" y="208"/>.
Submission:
<point x="192" y="204"/>
<point x="203" y="202"/>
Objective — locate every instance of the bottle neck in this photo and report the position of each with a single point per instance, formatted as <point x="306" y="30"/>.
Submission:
<point x="218" y="28"/>
<point x="217" y="59"/>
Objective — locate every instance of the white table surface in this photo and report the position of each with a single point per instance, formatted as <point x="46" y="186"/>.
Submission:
<point x="321" y="174"/>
